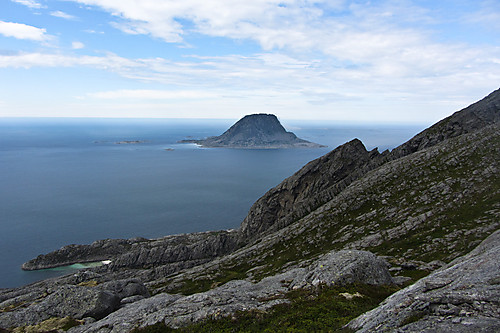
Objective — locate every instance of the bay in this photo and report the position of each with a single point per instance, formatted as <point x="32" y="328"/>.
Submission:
<point x="67" y="181"/>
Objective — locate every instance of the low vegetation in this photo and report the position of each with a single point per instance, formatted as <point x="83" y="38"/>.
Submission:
<point x="323" y="309"/>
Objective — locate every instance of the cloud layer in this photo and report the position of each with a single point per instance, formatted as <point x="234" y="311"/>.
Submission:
<point x="23" y="31"/>
<point x="323" y="55"/>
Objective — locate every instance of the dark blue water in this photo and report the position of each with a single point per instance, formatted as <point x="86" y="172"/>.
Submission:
<point x="65" y="181"/>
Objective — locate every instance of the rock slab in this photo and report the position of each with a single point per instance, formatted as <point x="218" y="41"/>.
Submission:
<point x="462" y="297"/>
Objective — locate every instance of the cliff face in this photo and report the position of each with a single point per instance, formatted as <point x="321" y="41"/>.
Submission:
<point x="314" y="184"/>
<point x="421" y="206"/>
<point x="256" y="131"/>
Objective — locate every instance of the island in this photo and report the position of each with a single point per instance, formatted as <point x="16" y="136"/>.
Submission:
<point x="129" y="142"/>
<point x="256" y="131"/>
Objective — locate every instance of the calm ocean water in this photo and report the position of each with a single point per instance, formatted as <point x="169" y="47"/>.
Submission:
<point x="66" y="181"/>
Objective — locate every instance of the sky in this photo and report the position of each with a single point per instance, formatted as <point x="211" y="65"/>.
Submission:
<point x="387" y="61"/>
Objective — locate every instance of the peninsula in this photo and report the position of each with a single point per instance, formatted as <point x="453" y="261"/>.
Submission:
<point x="256" y="131"/>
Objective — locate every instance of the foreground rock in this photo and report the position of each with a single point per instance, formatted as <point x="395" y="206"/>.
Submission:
<point x="67" y="297"/>
<point x="462" y="297"/>
<point x="335" y="268"/>
<point x="258" y="131"/>
<point x="67" y="301"/>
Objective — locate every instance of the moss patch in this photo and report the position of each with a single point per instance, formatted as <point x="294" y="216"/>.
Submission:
<point x="49" y="325"/>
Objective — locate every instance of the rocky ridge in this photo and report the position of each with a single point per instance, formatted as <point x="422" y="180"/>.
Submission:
<point x="257" y="131"/>
<point x="427" y="202"/>
<point x="186" y="249"/>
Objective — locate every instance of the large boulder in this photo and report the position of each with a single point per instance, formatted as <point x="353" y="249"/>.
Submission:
<point x="66" y="301"/>
<point x="345" y="267"/>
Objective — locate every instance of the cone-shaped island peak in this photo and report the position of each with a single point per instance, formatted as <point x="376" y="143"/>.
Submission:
<point x="256" y="131"/>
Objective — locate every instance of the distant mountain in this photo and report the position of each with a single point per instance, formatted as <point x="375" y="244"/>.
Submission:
<point x="256" y="131"/>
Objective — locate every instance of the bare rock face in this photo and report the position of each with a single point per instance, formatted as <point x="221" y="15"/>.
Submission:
<point x="258" y="131"/>
<point x="462" y="297"/>
<point x="314" y="184"/>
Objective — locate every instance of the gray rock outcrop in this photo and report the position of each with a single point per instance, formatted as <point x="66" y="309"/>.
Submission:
<point x="74" y="301"/>
<point x="310" y="187"/>
<point x="190" y="249"/>
<point x="462" y="297"/>
<point x="342" y="268"/>
<point x="81" y="295"/>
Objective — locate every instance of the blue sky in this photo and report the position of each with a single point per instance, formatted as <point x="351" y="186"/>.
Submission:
<point x="347" y="61"/>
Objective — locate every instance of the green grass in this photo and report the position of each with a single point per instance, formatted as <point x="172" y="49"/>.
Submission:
<point x="318" y="310"/>
<point x="202" y="284"/>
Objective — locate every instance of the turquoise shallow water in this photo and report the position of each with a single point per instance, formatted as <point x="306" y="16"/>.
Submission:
<point x="65" y="181"/>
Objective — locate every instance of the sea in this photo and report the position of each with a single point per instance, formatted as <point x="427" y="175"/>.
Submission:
<point x="76" y="180"/>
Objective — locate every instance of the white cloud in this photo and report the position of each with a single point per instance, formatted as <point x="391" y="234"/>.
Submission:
<point x="77" y="45"/>
<point x="29" y="60"/>
<point x="29" y="3"/>
<point x="23" y="31"/>
<point x="386" y="37"/>
<point x="144" y="94"/>
<point x="255" y="19"/>
<point x="63" y="15"/>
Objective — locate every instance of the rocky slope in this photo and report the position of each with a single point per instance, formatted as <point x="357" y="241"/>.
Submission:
<point x="421" y="210"/>
<point x="260" y="131"/>
<point x="339" y="268"/>
<point x="426" y="203"/>
<point x="462" y="297"/>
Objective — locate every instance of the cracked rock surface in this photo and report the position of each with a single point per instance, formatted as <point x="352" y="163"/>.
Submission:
<point x="461" y="297"/>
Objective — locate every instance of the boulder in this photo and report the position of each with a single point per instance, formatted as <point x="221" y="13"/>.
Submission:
<point x="66" y="301"/>
<point x="345" y="267"/>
